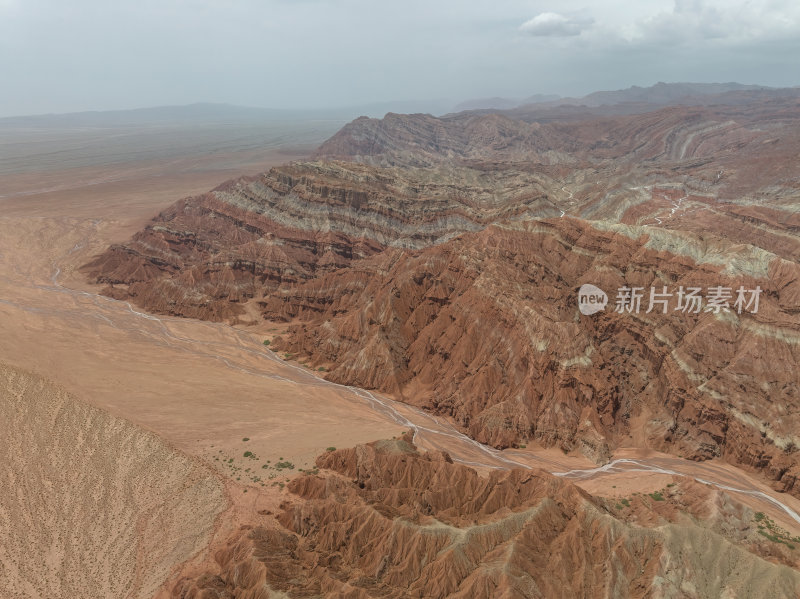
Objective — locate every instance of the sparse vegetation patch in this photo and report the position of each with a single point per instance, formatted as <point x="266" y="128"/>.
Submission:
<point x="771" y="531"/>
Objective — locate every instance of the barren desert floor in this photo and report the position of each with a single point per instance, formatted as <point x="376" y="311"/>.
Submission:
<point x="137" y="426"/>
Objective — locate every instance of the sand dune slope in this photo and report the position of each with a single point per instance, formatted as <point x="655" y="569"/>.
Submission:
<point x="91" y="506"/>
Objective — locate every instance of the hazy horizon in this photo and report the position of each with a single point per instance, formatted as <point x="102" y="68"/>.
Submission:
<point x="311" y="54"/>
<point x="377" y="108"/>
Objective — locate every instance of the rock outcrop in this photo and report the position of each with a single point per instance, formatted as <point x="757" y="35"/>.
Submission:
<point x="204" y="256"/>
<point x="382" y="520"/>
<point x="486" y="330"/>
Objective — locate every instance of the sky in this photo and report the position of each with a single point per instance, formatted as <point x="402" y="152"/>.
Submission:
<point x="58" y="56"/>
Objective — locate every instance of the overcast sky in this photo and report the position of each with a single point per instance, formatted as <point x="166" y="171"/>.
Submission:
<point x="62" y="56"/>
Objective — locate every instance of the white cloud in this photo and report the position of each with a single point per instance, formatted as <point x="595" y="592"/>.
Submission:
<point x="551" y="24"/>
<point x="720" y="21"/>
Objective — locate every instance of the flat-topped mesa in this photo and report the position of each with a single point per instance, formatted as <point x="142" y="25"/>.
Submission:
<point x="384" y="520"/>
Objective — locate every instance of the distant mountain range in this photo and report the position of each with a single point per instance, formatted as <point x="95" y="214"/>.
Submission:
<point x="660" y="94"/>
<point x="213" y="113"/>
<point x="631" y="100"/>
<point x="498" y="103"/>
<point x="663" y="93"/>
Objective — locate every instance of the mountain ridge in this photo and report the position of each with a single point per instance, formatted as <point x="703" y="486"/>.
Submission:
<point x="385" y="253"/>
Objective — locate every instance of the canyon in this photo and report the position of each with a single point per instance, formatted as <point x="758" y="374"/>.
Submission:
<point x="362" y="371"/>
<point x="438" y="259"/>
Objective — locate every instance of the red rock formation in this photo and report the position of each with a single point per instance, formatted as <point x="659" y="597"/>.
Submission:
<point x="393" y="280"/>
<point x="383" y="520"/>
<point x="206" y="255"/>
<point x="485" y="329"/>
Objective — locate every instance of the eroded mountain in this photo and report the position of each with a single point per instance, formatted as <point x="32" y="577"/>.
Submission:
<point x="384" y="520"/>
<point x="439" y="259"/>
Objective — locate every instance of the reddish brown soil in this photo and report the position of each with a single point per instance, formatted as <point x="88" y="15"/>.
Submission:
<point x="382" y="520"/>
